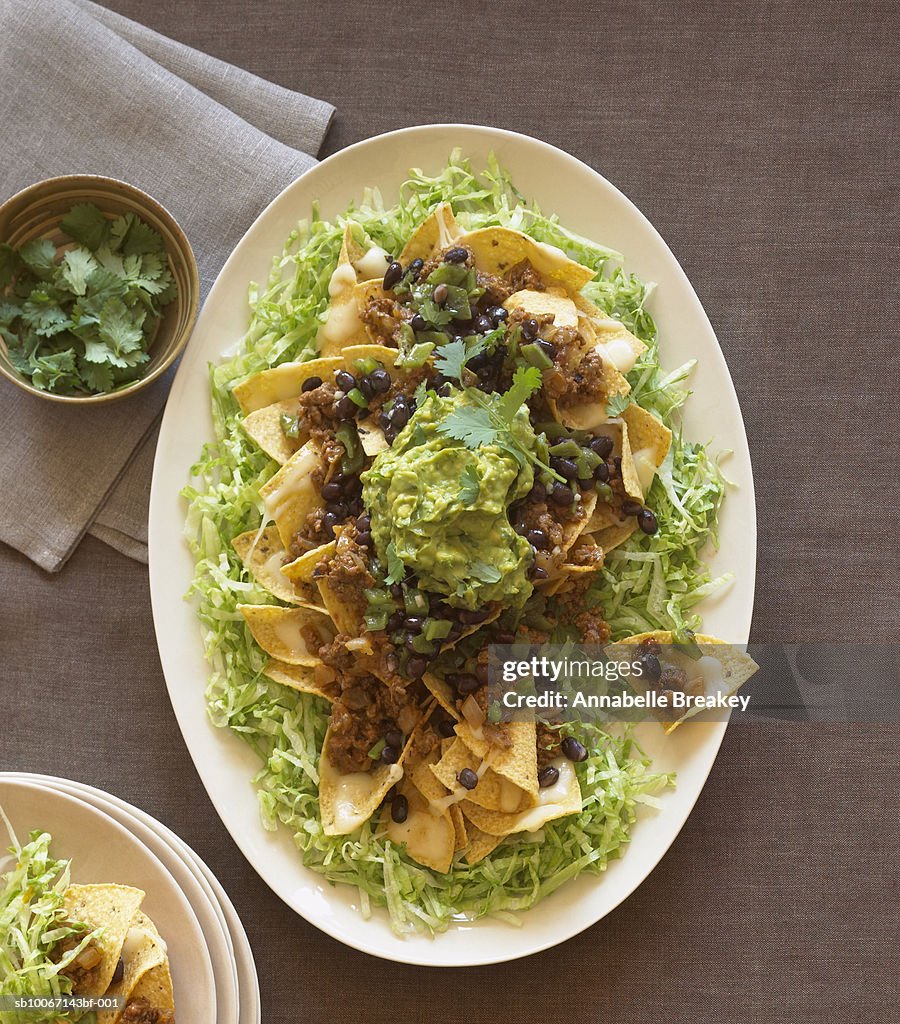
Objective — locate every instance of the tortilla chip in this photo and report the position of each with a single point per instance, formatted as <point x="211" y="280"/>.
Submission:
<point x="648" y="440"/>
<point x="264" y="427"/>
<point x="556" y="801"/>
<point x="112" y="908"/>
<point x="298" y="677"/>
<point x="516" y="762"/>
<point x="263" y="555"/>
<point x="143" y="951"/>
<point x="498" y="250"/>
<point x="156" y="987"/>
<point x="436" y="232"/>
<point x="480" y="844"/>
<point x="492" y="792"/>
<point x="301" y="570"/>
<point x="737" y="666"/>
<point x="443" y="692"/>
<point x="554" y="301"/>
<point x="429" y="839"/>
<point x="371" y="436"/>
<point x="292" y="494"/>
<point x="282" y="382"/>
<point x="343" y="326"/>
<point x="459" y="828"/>
<point x="347" y="801"/>
<point x="619" y="346"/>
<point x="279" y="631"/>
<point x="613" y="536"/>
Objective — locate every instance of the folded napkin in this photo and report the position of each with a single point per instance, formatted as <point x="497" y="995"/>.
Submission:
<point x="84" y="90"/>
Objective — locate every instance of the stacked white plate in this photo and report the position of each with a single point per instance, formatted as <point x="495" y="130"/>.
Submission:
<point x="108" y="840"/>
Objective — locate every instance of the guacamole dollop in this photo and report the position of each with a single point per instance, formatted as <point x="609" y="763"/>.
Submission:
<point x="422" y="497"/>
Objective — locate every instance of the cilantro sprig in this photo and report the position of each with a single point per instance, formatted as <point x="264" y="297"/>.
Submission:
<point x="81" y="318"/>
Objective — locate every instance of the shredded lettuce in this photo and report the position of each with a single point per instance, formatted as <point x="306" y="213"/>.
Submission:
<point x="32" y="923"/>
<point x="648" y="583"/>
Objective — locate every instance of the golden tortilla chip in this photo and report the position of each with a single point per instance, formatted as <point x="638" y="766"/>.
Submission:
<point x="292" y="635"/>
<point x="156" y="988"/>
<point x="142" y="951"/>
<point x="459" y="828"/>
<point x="611" y="537"/>
<point x="347" y="801"/>
<point x="736" y="666"/>
<point x="443" y="692"/>
<point x="112" y="908"/>
<point x="516" y="762"/>
<point x="493" y="791"/>
<point x="292" y="493"/>
<point x="264" y="426"/>
<point x="648" y="440"/>
<point x="480" y="844"/>
<point x="436" y="232"/>
<point x="281" y="382"/>
<point x="263" y="556"/>
<point x="342" y="325"/>
<point x="302" y="569"/>
<point x="429" y="839"/>
<point x="556" y="801"/>
<point x="497" y="250"/>
<point x="298" y="677"/>
<point x="617" y="344"/>
<point x="554" y="301"/>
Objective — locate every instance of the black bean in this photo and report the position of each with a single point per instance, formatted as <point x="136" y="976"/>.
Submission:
<point x="393" y="738"/>
<point x="351" y="485"/>
<point x="399" y="416"/>
<point x="413" y="269"/>
<point x="337" y="508"/>
<point x="632" y="508"/>
<point x="415" y="667"/>
<point x="574" y="750"/>
<point x="466" y="683"/>
<point x="364" y="523"/>
<point x="454" y="634"/>
<point x="344" y="380"/>
<point x="447" y="728"/>
<point x="538" y="539"/>
<point x="538" y="492"/>
<point x="418" y="322"/>
<point x="481" y="672"/>
<point x="498" y="314"/>
<point x="329" y="522"/>
<point x="311" y="383"/>
<point x="346" y="408"/>
<point x="380" y="381"/>
<point x="537" y="573"/>
<point x="602" y="445"/>
<point x="565" y="467"/>
<point x="396" y="590"/>
<point x="601" y="473"/>
<point x="456" y="255"/>
<point x="364" y="539"/>
<point x="399" y="809"/>
<point x="365" y="386"/>
<point x="478" y="361"/>
<point x="395" y="622"/>
<point x="483" y="325"/>
<point x="650" y="667"/>
<point x="119" y="972"/>
<point x="587" y="485"/>
<point x="529" y="329"/>
<point x="617" y="462"/>
<point x="647" y="521"/>
<point x="467" y="778"/>
<point x="409" y="642"/>
<point x="332" y="491"/>
<point x="413" y="623"/>
<point x="548" y="776"/>
<point x="506" y="638"/>
<point x="562" y="495"/>
<point x="384" y="420"/>
<point x="547" y="347"/>
<point x="440" y="294"/>
<point x="392" y="275"/>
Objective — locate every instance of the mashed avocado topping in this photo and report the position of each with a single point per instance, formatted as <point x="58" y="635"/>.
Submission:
<point x="441" y="508"/>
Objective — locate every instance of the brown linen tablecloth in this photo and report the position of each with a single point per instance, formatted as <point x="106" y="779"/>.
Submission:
<point x="762" y="141"/>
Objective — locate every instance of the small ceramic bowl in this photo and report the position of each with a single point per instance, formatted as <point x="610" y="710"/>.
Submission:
<point x="36" y="212"/>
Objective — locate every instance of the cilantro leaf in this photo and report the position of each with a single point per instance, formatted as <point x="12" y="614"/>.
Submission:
<point x="617" y="405"/>
<point x="86" y="224"/>
<point x="451" y="359"/>
<point x="469" y="485"/>
<point x="133" y="237"/>
<point x="40" y="256"/>
<point x="10" y="264"/>
<point x="484" y="572"/>
<point x="396" y="568"/>
<point x="526" y="380"/>
<point x="120" y="327"/>
<point x="472" y="426"/>
<point x="77" y="266"/>
<point x="97" y="376"/>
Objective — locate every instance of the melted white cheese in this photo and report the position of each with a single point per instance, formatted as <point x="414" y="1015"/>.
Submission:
<point x="553" y="801"/>
<point x="373" y="264"/>
<point x="353" y="802"/>
<point x="618" y="352"/>
<point x="294" y="480"/>
<point x="645" y="466"/>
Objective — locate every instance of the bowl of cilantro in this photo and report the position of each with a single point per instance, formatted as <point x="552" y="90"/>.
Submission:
<point x="99" y="289"/>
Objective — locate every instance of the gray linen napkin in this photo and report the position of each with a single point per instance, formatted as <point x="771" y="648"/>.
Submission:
<point x="84" y="90"/>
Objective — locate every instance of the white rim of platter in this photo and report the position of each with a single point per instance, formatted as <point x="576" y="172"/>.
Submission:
<point x="589" y="204"/>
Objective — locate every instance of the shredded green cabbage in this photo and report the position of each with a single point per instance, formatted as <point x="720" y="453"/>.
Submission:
<point x="32" y="923"/>
<point x="650" y="582"/>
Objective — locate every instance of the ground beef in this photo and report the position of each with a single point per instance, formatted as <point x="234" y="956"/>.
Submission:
<point x="82" y="969"/>
<point x="347" y="569"/>
<point x="523" y="276"/>
<point x="312" y="534"/>
<point x="384" y="316"/>
<point x="365" y="710"/>
<point x="587" y="382"/>
<point x="315" y="409"/>
<point x="547" y="744"/>
<point x="139" y="1011"/>
<point x="585" y="551"/>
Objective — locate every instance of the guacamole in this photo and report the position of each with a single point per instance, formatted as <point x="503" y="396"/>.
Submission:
<point x="422" y="498"/>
